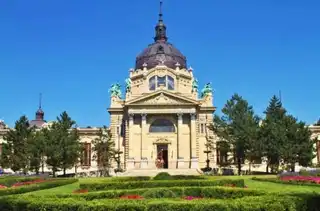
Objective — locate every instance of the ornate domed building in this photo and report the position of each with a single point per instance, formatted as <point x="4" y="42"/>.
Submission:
<point x="162" y="118"/>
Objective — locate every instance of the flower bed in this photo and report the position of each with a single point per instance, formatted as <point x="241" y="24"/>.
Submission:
<point x="309" y="179"/>
<point x="36" y="186"/>
<point x="288" y="181"/>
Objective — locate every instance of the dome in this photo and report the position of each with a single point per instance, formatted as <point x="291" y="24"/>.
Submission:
<point x="161" y="51"/>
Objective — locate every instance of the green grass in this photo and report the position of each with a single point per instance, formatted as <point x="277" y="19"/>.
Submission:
<point x="252" y="184"/>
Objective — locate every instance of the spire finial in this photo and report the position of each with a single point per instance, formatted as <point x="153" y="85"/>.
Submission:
<point x="160" y="12"/>
<point x="40" y="100"/>
<point x="161" y="34"/>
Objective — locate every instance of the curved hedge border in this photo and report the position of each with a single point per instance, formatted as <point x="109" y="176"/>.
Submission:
<point x="206" y="192"/>
<point x="265" y="203"/>
<point x="288" y="182"/>
<point x="38" y="186"/>
<point x="94" y="186"/>
<point x="10" y="180"/>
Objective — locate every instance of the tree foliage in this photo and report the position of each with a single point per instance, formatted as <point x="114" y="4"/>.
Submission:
<point x="237" y="128"/>
<point x="15" y="154"/>
<point x="104" y="150"/>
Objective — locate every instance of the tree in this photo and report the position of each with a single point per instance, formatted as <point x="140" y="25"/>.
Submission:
<point x="37" y="149"/>
<point x="15" y="150"/>
<point x="69" y="142"/>
<point x="237" y="127"/>
<point x="104" y="150"/>
<point x="53" y="150"/>
<point x="272" y="133"/>
<point x="63" y="147"/>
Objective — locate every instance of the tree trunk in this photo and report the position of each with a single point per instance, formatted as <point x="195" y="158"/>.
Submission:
<point x="267" y="168"/>
<point x="64" y="171"/>
<point x="53" y="172"/>
<point x="239" y="165"/>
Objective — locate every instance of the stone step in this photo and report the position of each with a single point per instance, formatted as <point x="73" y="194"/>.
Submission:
<point x="154" y="172"/>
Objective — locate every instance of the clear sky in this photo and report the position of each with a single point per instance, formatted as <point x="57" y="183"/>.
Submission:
<point x="73" y="50"/>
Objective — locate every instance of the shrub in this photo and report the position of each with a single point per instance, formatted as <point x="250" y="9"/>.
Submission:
<point x="265" y="203"/>
<point x="94" y="186"/>
<point x="10" y="180"/>
<point x="170" y="192"/>
<point x="163" y="176"/>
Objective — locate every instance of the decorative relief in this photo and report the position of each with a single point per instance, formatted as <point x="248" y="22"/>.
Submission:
<point x="163" y="99"/>
<point x="162" y="140"/>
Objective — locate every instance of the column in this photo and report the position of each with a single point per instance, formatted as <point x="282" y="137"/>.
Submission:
<point x="193" y="139"/>
<point x="130" y="161"/>
<point x="143" y="161"/>
<point x="180" y="160"/>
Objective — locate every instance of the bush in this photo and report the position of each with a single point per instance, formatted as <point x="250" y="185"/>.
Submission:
<point x="265" y="203"/>
<point x="10" y="180"/>
<point x="107" y="185"/>
<point x="170" y="192"/>
<point x="163" y="176"/>
<point x="37" y="186"/>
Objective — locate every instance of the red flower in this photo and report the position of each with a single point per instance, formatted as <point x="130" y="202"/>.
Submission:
<point x="191" y="197"/>
<point x="3" y="187"/>
<point x="137" y="197"/>
<point x="301" y="179"/>
<point x="18" y="184"/>
<point x="80" y="191"/>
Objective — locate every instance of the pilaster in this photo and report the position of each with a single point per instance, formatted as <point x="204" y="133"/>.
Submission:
<point x="143" y="162"/>
<point x="193" y="135"/>
<point x="179" y="135"/>
<point x="130" y="153"/>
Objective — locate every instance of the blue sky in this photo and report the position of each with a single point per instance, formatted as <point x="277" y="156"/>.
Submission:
<point x="72" y="51"/>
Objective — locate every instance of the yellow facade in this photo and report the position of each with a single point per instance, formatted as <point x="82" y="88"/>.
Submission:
<point x="165" y="122"/>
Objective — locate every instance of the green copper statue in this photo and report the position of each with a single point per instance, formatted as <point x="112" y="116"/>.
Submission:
<point x="115" y="90"/>
<point x="194" y="84"/>
<point x="206" y="90"/>
<point x="128" y="85"/>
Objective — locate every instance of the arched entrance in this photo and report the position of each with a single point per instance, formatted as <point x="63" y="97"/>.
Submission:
<point x="162" y="156"/>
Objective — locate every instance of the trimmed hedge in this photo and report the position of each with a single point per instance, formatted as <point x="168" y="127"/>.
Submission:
<point x="37" y="186"/>
<point x="262" y="203"/>
<point x="170" y="192"/>
<point x="94" y="186"/>
<point x="10" y="180"/>
<point x="288" y="182"/>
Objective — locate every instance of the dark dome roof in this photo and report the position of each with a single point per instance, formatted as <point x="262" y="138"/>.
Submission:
<point x="161" y="52"/>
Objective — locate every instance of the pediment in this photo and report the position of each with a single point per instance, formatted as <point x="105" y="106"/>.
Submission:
<point x="162" y="98"/>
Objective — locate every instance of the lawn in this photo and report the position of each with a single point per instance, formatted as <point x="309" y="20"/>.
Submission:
<point x="251" y="184"/>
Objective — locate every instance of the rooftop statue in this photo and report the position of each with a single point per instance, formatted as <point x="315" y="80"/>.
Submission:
<point x="115" y="90"/>
<point x="195" y="84"/>
<point x="128" y="85"/>
<point x="206" y="90"/>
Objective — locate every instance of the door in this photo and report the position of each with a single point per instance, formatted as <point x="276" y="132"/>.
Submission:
<point x="162" y="155"/>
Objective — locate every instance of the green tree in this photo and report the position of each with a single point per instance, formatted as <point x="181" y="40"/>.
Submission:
<point x="69" y="142"/>
<point x="15" y="153"/>
<point x="37" y="150"/>
<point x="272" y="133"/>
<point x="53" y="150"/>
<point x="104" y="151"/>
<point x="237" y="127"/>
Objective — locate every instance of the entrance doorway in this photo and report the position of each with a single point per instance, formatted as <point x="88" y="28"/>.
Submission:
<point x="162" y="155"/>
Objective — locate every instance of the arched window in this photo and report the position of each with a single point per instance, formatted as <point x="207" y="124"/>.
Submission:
<point x="157" y="81"/>
<point x="152" y="83"/>
<point x="170" y="82"/>
<point x="162" y="126"/>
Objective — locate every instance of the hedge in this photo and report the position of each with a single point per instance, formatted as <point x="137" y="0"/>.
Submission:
<point x="37" y="186"/>
<point x="287" y="182"/>
<point x="262" y="203"/>
<point x="10" y="180"/>
<point x="107" y="185"/>
<point x="170" y="192"/>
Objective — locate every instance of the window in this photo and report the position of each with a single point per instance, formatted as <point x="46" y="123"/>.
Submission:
<point x="162" y="126"/>
<point x="86" y="155"/>
<point x="152" y="83"/>
<point x="170" y="81"/>
<point x="222" y="153"/>
<point x="157" y="81"/>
